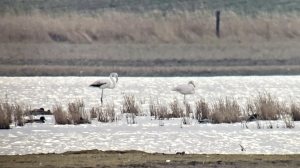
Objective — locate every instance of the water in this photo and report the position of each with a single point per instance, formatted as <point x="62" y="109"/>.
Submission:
<point x="146" y="135"/>
<point x="48" y="91"/>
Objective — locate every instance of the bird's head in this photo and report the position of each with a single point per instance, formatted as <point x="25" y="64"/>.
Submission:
<point x="114" y="74"/>
<point x="192" y="83"/>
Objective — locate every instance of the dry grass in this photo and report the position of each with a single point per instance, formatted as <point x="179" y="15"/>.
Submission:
<point x="202" y="110"/>
<point x="295" y="111"/>
<point x="77" y="112"/>
<point x="6" y="111"/>
<point x="106" y="113"/>
<point x="149" y="27"/>
<point x="130" y="105"/>
<point x="267" y="107"/>
<point x="176" y="109"/>
<point x="60" y="115"/>
<point x="94" y="112"/>
<point x="18" y="115"/>
<point x="225" y="111"/>
<point x="159" y="111"/>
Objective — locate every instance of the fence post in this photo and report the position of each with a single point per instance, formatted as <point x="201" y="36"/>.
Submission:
<point x="218" y="23"/>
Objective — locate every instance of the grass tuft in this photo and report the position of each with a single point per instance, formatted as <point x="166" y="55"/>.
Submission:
<point x="202" y="110"/>
<point x="6" y="111"/>
<point x="225" y="111"/>
<point x="60" y="115"/>
<point x="77" y="113"/>
<point x="176" y="109"/>
<point x="295" y="111"/>
<point x="130" y="105"/>
<point x="106" y="113"/>
<point x="267" y="107"/>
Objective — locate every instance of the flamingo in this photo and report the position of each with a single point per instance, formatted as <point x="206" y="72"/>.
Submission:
<point x="185" y="89"/>
<point x="106" y="83"/>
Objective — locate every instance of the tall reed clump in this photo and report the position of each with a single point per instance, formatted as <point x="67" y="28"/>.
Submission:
<point x="286" y="116"/>
<point x="6" y="111"/>
<point x="176" y="109"/>
<point x="159" y="111"/>
<point x="77" y="112"/>
<point x="94" y="112"/>
<point x="60" y="115"/>
<point x="18" y="115"/>
<point x="295" y="111"/>
<point x="267" y="107"/>
<point x="130" y="105"/>
<point x="149" y="27"/>
<point x="225" y="111"/>
<point x="106" y="113"/>
<point x="202" y="110"/>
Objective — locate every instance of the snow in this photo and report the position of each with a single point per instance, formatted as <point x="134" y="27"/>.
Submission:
<point x="147" y="135"/>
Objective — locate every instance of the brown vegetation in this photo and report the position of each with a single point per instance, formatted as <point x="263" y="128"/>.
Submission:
<point x="6" y="111"/>
<point x="106" y="113"/>
<point x="176" y="109"/>
<point x="148" y="27"/>
<point x="77" y="113"/>
<point x="202" y="110"/>
<point x="60" y="115"/>
<point x="130" y="105"/>
<point x="225" y="110"/>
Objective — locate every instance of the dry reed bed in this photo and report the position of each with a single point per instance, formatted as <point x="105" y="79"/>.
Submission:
<point x="222" y="110"/>
<point x="148" y="27"/>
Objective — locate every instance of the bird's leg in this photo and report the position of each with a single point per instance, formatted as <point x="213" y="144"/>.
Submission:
<point x="183" y="99"/>
<point x="101" y="97"/>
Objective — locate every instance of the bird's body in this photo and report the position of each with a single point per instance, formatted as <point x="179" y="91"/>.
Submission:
<point x="106" y="83"/>
<point x="185" y="89"/>
<point x="41" y="120"/>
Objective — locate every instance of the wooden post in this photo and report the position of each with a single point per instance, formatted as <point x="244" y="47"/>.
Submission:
<point x="218" y="23"/>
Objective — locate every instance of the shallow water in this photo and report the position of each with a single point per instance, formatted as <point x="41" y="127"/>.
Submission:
<point x="48" y="91"/>
<point x="147" y="135"/>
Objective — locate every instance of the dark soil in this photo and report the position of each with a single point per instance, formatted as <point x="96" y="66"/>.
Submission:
<point x="97" y="159"/>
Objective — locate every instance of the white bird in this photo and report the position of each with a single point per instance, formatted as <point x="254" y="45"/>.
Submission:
<point x="106" y="83"/>
<point x="185" y="89"/>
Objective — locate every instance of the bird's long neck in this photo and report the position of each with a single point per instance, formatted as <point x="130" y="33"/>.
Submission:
<point x="113" y="81"/>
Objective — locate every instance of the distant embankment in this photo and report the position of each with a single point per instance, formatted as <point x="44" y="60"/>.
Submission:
<point x="264" y="58"/>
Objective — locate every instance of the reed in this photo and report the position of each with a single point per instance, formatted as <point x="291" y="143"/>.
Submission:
<point x="202" y="110"/>
<point x="159" y="111"/>
<point x="60" y="115"/>
<point x="6" y="111"/>
<point x="130" y="105"/>
<point x="18" y="115"/>
<point x="267" y="107"/>
<point x="106" y="113"/>
<point x="77" y="112"/>
<point x="225" y="110"/>
<point x="176" y="109"/>
<point x="94" y="112"/>
<point x="295" y="111"/>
